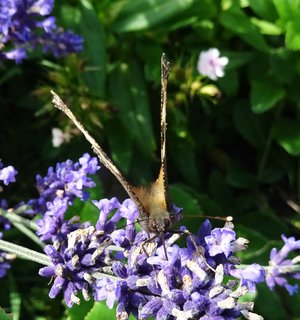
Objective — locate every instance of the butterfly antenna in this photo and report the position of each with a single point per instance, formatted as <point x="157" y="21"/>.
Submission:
<point x="226" y="219"/>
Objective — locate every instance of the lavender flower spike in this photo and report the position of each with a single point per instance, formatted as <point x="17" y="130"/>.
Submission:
<point x="281" y="267"/>
<point x="26" y="24"/>
<point x="187" y="286"/>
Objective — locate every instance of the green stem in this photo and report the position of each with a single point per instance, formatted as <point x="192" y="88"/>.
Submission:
<point x="31" y="235"/>
<point x="24" y="225"/>
<point x="25" y="253"/>
<point x="15" y="217"/>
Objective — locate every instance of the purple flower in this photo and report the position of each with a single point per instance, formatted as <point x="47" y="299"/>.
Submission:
<point x="280" y="267"/>
<point x="105" y="289"/>
<point x="53" y="226"/>
<point x="146" y="285"/>
<point x="59" y="137"/>
<point x="26" y="24"/>
<point x="210" y="64"/>
<point x="73" y="265"/>
<point x="7" y="174"/>
<point x="250" y="276"/>
<point x="67" y="181"/>
<point x="219" y="241"/>
<point x="58" y="190"/>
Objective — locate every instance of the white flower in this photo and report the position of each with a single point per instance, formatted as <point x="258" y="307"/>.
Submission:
<point x="59" y="137"/>
<point x="210" y="64"/>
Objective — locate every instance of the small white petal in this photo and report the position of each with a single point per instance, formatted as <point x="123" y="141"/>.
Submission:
<point x="249" y="305"/>
<point x="240" y="291"/>
<point x="227" y="303"/>
<point x="59" y="271"/>
<point x="86" y="295"/>
<point x="163" y="282"/>
<point x="223" y="61"/>
<point x="57" y="137"/>
<point x="251" y="316"/>
<point x="75" y="261"/>
<point x="239" y="244"/>
<point x="122" y="316"/>
<point x="182" y="315"/>
<point x="195" y="268"/>
<point x="219" y="274"/>
<point x="296" y="260"/>
<point x="75" y="299"/>
<point x="143" y="282"/>
<point x="88" y="278"/>
<point x="215" y="291"/>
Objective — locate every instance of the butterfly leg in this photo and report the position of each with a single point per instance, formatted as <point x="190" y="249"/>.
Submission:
<point x="145" y="243"/>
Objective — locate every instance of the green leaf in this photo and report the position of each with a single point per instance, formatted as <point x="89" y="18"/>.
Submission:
<point x="237" y="22"/>
<point x="271" y="304"/>
<point x="259" y="243"/>
<point x="89" y="212"/>
<point x="78" y="312"/>
<point x="4" y="315"/>
<point x="229" y="83"/>
<point x="221" y="191"/>
<point x="287" y="10"/>
<point x="183" y="198"/>
<point x="271" y="173"/>
<point x="181" y="147"/>
<point x="121" y="144"/>
<point x="128" y="90"/>
<point x="240" y="178"/>
<point x="265" y="9"/>
<point x="292" y="39"/>
<point x="94" y="49"/>
<point x="249" y="125"/>
<point x="282" y="66"/>
<point x="100" y="311"/>
<point x="145" y="14"/>
<point x="287" y="134"/>
<point x="260" y="221"/>
<point x="265" y="94"/>
<point x="267" y="27"/>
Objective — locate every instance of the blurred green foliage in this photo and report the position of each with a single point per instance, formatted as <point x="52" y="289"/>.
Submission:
<point x="233" y="146"/>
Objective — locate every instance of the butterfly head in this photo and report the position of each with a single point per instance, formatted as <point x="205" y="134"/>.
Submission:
<point x="159" y="221"/>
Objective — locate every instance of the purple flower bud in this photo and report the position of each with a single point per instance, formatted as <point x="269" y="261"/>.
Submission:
<point x="7" y="174"/>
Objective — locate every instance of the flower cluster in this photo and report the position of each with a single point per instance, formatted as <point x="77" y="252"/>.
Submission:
<point x="121" y="266"/>
<point x="27" y="24"/>
<point x="210" y="64"/>
<point x="58" y="189"/>
<point x="280" y="267"/>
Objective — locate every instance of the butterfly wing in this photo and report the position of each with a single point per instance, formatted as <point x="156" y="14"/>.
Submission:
<point x="162" y="181"/>
<point x="104" y="159"/>
<point x="152" y="199"/>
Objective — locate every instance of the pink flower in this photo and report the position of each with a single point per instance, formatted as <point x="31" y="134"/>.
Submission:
<point x="210" y="64"/>
<point x="59" y="137"/>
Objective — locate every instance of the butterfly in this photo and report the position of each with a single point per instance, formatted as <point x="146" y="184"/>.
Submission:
<point x="156" y="212"/>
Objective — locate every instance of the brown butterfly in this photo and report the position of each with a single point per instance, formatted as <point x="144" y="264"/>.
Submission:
<point x="155" y="209"/>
